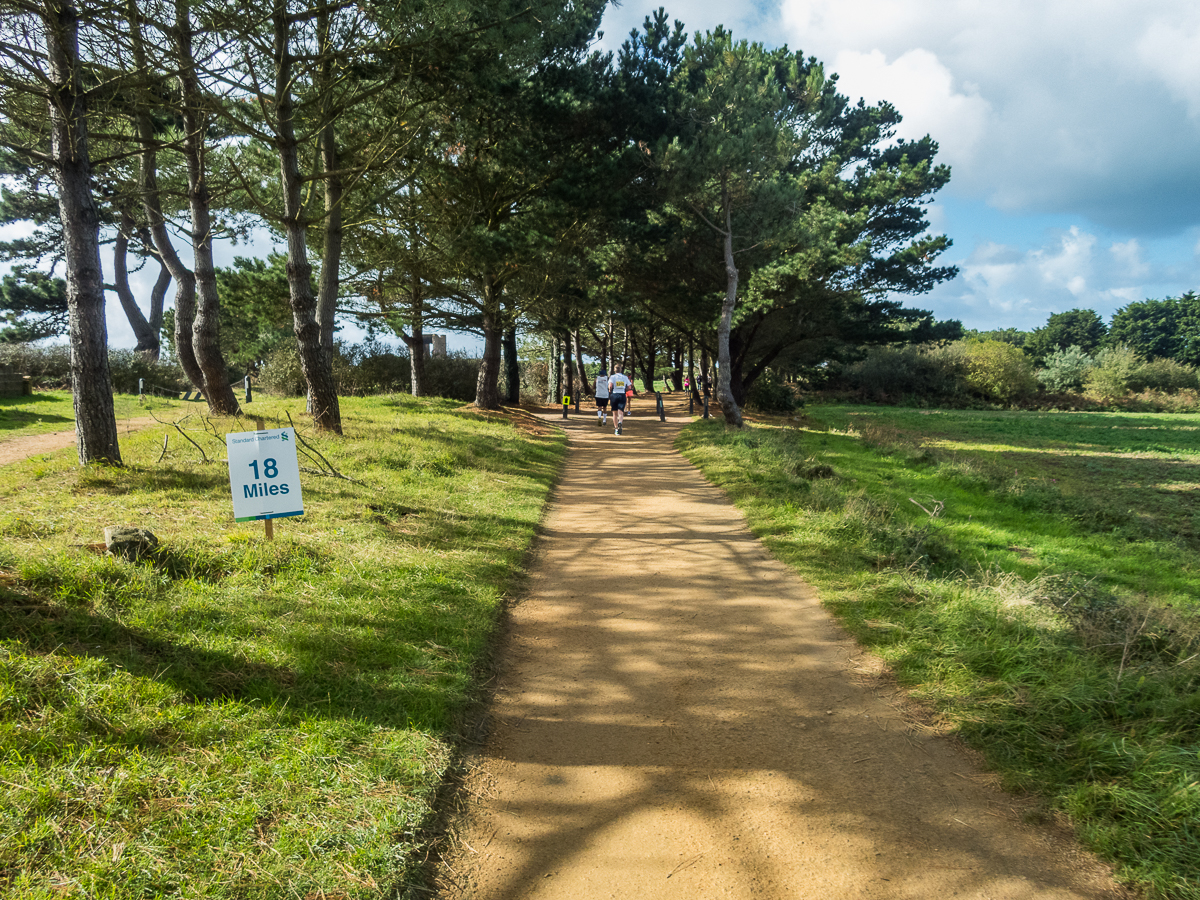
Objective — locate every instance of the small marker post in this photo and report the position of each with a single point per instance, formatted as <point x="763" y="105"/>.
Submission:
<point x="662" y="413"/>
<point x="706" y="406"/>
<point x="566" y="404"/>
<point x="248" y="397"/>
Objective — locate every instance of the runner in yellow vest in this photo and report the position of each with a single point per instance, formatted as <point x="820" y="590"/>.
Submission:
<point x="618" y="383"/>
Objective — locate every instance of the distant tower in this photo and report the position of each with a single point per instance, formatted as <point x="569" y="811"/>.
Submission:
<point x="437" y="345"/>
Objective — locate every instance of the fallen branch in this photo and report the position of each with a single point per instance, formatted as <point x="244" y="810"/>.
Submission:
<point x="324" y="474"/>
<point x="175" y="425"/>
<point x="310" y="447"/>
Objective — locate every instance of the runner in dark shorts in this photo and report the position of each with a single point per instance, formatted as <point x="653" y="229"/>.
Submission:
<point x="617" y="384"/>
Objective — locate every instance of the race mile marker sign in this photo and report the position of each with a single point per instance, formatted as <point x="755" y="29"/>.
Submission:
<point x="264" y="475"/>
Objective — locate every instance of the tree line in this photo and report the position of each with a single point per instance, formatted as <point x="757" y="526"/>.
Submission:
<point x="460" y="164"/>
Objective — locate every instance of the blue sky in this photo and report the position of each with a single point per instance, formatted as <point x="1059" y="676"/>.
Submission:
<point x="1072" y="130"/>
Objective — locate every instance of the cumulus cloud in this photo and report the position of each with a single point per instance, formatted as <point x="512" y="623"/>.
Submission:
<point x="1041" y="105"/>
<point x="924" y="90"/>
<point x="1001" y="285"/>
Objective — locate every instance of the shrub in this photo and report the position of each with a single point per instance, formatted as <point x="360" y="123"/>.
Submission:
<point x="1066" y="370"/>
<point x="997" y="371"/>
<point x="770" y="394"/>
<point x="889" y="373"/>
<point x="1114" y="372"/>
<point x="1165" y="375"/>
<point x="373" y="368"/>
<point x="50" y="367"/>
<point x="127" y="366"/>
<point x="281" y="373"/>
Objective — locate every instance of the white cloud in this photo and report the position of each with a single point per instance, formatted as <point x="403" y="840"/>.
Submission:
<point x="1128" y="254"/>
<point x="1170" y="48"/>
<point x="1003" y="286"/>
<point x="1066" y="265"/>
<point x="1040" y="105"/>
<point x="923" y="89"/>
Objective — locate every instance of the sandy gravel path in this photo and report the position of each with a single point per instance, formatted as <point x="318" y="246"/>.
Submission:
<point x="15" y="449"/>
<point x="677" y="717"/>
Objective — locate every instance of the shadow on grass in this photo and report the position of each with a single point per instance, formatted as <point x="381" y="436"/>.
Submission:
<point x="13" y="418"/>
<point x="342" y="676"/>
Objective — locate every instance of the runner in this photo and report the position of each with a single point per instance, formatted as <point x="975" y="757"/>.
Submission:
<point x="601" y="396"/>
<point x="618" y="384"/>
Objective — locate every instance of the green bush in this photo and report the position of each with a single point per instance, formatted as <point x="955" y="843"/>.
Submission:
<point x="1114" y="373"/>
<point x="372" y="368"/>
<point x="127" y="366"/>
<point x="997" y="371"/>
<point x="454" y="375"/>
<point x="770" y="394"/>
<point x="892" y="373"/>
<point x="1164" y="375"/>
<point x="50" y="367"/>
<point x="1066" y="370"/>
<point x="281" y="374"/>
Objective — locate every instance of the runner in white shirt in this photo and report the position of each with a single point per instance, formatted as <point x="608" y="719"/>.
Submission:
<point x="601" y="397"/>
<point x="618" y="383"/>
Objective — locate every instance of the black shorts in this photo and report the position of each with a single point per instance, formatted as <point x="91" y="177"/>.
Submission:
<point x="601" y="403"/>
<point x="617" y="401"/>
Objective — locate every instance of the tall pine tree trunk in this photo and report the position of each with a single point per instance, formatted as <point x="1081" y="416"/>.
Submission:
<point x="416" y="344"/>
<point x="91" y="382"/>
<point x="553" y="372"/>
<point x="331" y="256"/>
<point x="147" y="338"/>
<point x="583" y="379"/>
<point x="185" y="281"/>
<point x="206" y="335"/>
<point x="729" y="406"/>
<point x="315" y="362"/>
<point x="512" y="367"/>
<point x="487" y="385"/>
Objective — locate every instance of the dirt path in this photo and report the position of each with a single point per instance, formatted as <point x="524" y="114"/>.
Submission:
<point x="676" y="716"/>
<point x="16" y="449"/>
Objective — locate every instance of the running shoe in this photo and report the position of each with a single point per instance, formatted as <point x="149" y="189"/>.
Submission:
<point x="618" y="431"/>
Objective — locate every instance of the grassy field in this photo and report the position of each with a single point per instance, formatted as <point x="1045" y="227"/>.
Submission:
<point x="1032" y="577"/>
<point x="50" y="411"/>
<point x="237" y="718"/>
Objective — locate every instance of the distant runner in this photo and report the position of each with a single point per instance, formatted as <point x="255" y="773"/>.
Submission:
<point x="618" y="384"/>
<point x="601" y="397"/>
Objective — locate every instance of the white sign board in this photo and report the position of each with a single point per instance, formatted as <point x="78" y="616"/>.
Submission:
<point x="264" y="475"/>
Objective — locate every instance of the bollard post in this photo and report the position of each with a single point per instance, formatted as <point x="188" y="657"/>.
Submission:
<point x="141" y="388"/>
<point x="566" y="404"/>
<point x="706" y="407"/>
<point x="662" y="413"/>
<point x="247" y="388"/>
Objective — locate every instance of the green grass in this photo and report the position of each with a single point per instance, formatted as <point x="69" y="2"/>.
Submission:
<point x="1031" y="576"/>
<point x="237" y="718"/>
<point x="50" y="411"/>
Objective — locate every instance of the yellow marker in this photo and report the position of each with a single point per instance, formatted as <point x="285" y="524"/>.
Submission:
<point x="566" y="400"/>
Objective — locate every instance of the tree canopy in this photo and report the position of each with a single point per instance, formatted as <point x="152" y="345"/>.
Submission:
<point x="478" y="165"/>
